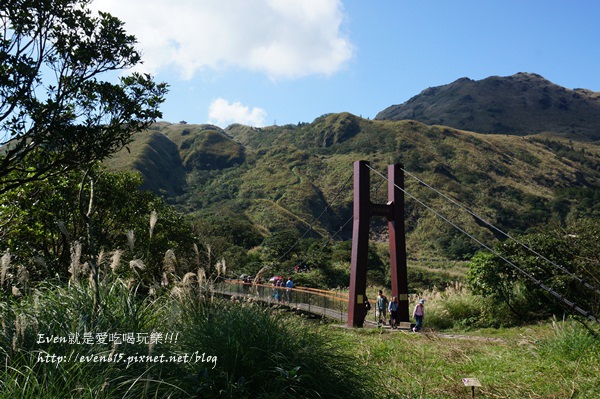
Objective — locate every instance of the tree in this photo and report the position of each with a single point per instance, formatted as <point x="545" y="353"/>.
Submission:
<point x="56" y="112"/>
<point x="281" y="246"/>
<point x="45" y="222"/>
<point x="565" y="260"/>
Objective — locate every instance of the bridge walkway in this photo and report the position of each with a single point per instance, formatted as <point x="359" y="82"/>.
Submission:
<point x="329" y="304"/>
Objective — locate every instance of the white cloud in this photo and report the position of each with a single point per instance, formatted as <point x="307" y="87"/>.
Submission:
<point x="223" y="113"/>
<point x="281" y="38"/>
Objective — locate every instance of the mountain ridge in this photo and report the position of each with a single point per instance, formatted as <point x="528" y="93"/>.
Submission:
<point x="520" y="104"/>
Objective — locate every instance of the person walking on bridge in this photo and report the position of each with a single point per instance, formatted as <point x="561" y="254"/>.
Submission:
<point x="393" y="309"/>
<point x="367" y="306"/>
<point x="381" y="304"/>
<point x="289" y="284"/>
<point x="418" y="314"/>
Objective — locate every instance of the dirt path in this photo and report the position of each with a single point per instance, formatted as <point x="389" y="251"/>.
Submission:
<point x="437" y="335"/>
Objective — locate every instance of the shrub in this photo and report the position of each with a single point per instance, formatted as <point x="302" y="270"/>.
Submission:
<point x="456" y="308"/>
<point x="570" y="342"/>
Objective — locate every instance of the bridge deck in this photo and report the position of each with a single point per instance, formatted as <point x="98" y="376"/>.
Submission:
<point x="327" y="304"/>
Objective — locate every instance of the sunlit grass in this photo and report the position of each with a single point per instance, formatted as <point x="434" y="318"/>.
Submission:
<point x="550" y="361"/>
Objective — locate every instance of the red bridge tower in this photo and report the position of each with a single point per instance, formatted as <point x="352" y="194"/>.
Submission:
<point x="364" y="209"/>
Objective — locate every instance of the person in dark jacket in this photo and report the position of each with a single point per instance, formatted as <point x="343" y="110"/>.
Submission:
<point x="393" y="309"/>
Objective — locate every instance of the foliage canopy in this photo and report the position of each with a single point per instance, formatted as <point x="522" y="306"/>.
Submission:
<point x="42" y="224"/>
<point x="565" y="260"/>
<point x="56" y="111"/>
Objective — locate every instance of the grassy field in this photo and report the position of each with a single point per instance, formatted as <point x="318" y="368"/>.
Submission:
<point x="552" y="360"/>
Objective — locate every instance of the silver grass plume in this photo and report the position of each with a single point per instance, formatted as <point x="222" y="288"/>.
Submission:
<point x="201" y="276"/>
<point x="188" y="279"/>
<point x="5" y="265"/>
<point x="85" y="270"/>
<point x="36" y="301"/>
<point x="221" y="267"/>
<point x="130" y="239"/>
<point x="164" y="282"/>
<point x="20" y="326"/>
<point x="137" y="264"/>
<point x="169" y="261"/>
<point x="75" y="266"/>
<point x="209" y="254"/>
<point x="100" y="258"/>
<point x="115" y="260"/>
<point x="177" y="292"/>
<point x="153" y="220"/>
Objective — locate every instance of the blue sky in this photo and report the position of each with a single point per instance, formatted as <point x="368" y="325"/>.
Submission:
<point x="264" y="62"/>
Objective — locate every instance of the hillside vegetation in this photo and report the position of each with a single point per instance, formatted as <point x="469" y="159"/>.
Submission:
<point x="283" y="177"/>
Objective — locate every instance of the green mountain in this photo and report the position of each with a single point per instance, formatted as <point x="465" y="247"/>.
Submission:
<point x="283" y="177"/>
<point x="521" y="104"/>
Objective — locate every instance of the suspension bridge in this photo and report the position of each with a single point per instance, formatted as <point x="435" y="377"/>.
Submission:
<point x="349" y="307"/>
<point x="327" y="304"/>
<point x="324" y="303"/>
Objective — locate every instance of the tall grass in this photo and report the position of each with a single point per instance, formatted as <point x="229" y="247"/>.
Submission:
<point x="456" y="308"/>
<point x="247" y="351"/>
<point x="31" y="368"/>
<point x="570" y="342"/>
<point x="262" y="354"/>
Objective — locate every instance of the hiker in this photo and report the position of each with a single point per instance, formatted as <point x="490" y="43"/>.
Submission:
<point x="246" y="283"/>
<point x="418" y="314"/>
<point x="289" y="284"/>
<point x="381" y="304"/>
<point x="367" y="306"/>
<point x="393" y="308"/>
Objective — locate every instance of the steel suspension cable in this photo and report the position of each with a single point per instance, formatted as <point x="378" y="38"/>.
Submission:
<point x="539" y="283"/>
<point x="565" y="270"/>
<point x="341" y="228"/>
<point x="315" y="220"/>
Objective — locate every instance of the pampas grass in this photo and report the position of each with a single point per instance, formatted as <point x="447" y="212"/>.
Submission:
<point x="100" y="258"/>
<point x="153" y="220"/>
<point x="5" y="264"/>
<point x="221" y="267"/>
<point x="201" y="276"/>
<point x="75" y="266"/>
<point x="209" y="257"/>
<point x="137" y="264"/>
<point x="169" y="262"/>
<point x="188" y="279"/>
<point x="130" y="239"/>
<point x="115" y="260"/>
